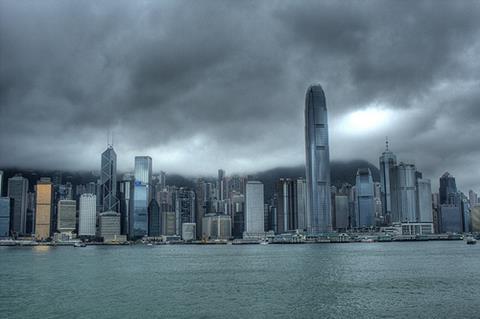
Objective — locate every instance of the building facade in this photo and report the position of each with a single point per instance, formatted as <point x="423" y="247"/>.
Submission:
<point x="254" y="201"/>
<point x="189" y="231"/>
<point x="126" y="204"/>
<point x="109" y="226"/>
<point x="87" y="216"/>
<point x="141" y="195"/>
<point x="424" y="201"/>
<point x="403" y="192"/>
<point x="18" y="191"/>
<point x="365" y="205"/>
<point x="341" y="213"/>
<point x="154" y="219"/>
<point x="6" y="211"/>
<point x="66" y="215"/>
<point x="451" y="219"/>
<point x="43" y="208"/>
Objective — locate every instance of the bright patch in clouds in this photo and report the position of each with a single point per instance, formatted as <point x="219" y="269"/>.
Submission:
<point x="368" y="120"/>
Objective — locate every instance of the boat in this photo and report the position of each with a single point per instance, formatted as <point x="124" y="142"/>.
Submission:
<point x="471" y="241"/>
<point x="264" y="242"/>
<point x="149" y="244"/>
<point x="79" y="245"/>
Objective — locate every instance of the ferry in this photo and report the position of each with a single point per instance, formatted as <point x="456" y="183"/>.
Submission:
<point x="471" y="241"/>
<point x="80" y="244"/>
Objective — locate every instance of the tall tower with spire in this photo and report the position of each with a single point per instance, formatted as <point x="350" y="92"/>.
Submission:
<point x="108" y="180"/>
<point x="387" y="161"/>
<point x="319" y="219"/>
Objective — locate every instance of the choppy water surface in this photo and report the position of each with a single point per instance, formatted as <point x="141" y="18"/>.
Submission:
<point x="371" y="280"/>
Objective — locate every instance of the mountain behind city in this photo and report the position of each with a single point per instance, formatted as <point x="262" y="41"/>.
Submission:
<point x="341" y="172"/>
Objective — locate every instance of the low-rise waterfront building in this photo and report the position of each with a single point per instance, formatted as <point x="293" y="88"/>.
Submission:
<point x="216" y="226"/>
<point x="189" y="231"/>
<point x="109" y="227"/>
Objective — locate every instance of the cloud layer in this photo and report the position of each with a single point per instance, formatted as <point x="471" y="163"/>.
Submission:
<point x="210" y="84"/>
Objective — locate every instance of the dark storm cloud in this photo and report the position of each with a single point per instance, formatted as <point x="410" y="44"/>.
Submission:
<point x="202" y="85"/>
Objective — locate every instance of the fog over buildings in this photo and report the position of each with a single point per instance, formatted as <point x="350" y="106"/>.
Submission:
<point x="202" y="85"/>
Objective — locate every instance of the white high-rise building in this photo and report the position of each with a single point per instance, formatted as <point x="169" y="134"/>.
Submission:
<point x="87" y="215"/>
<point x="254" y="217"/>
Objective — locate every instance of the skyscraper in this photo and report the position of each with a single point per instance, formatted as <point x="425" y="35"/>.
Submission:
<point x="154" y="219"/>
<point x="448" y="189"/>
<point x="87" y="216"/>
<point x="317" y="161"/>
<point x="387" y="161"/>
<point x="141" y="195"/>
<point x="403" y="181"/>
<point x="221" y="184"/>
<point x="126" y="195"/>
<point x="301" y="203"/>
<point x="365" y="205"/>
<point x="184" y="207"/>
<point x="341" y="212"/>
<point x="254" y="217"/>
<point x="108" y="181"/>
<point x="286" y="205"/>
<point x="6" y="209"/>
<point x="43" y="208"/>
<point x="17" y="190"/>
<point x="162" y="179"/>
<point x="424" y="201"/>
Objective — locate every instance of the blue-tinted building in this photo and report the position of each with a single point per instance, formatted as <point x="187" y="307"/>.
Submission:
<point x="141" y="195"/>
<point x="365" y="205"/>
<point x="451" y="219"/>
<point x="6" y="211"/>
<point x="448" y="189"/>
<point x="317" y="162"/>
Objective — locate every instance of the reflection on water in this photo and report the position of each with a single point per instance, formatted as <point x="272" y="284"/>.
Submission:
<point x="41" y="248"/>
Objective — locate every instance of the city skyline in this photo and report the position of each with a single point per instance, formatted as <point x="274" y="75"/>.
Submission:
<point x="237" y="104"/>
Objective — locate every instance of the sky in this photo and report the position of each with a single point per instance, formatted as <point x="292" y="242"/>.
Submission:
<point x="202" y="85"/>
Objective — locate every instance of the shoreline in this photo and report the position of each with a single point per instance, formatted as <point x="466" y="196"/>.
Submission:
<point x="21" y="243"/>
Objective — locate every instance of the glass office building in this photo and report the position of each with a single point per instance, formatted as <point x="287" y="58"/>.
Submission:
<point x="317" y="162"/>
<point x="141" y="195"/>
